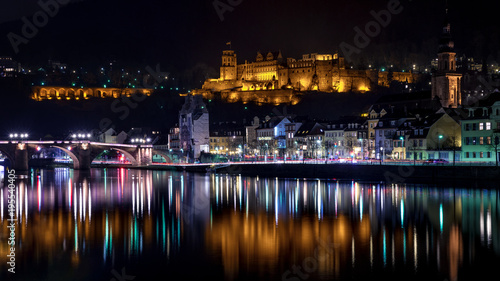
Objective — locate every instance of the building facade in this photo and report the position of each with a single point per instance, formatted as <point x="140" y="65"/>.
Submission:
<point x="446" y="81"/>
<point x="481" y="133"/>
<point x="194" y="133"/>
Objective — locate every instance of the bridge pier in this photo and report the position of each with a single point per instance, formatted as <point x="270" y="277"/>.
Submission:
<point x="144" y="156"/>
<point x="21" y="158"/>
<point x="84" y="161"/>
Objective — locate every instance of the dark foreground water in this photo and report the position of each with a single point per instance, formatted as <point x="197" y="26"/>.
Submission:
<point x="120" y="224"/>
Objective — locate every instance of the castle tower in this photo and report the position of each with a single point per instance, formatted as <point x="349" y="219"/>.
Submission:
<point x="228" y="70"/>
<point x="446" y="82"/>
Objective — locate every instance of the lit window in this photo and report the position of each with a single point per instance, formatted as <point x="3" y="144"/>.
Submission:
<point x="488" y="125"/>
<point x="481" y="126"/>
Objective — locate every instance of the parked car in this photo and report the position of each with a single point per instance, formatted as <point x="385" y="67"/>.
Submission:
<point x="435" y="161"/>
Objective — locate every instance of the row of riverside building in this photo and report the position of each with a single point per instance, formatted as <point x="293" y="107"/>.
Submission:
<point x="398" y="127"/>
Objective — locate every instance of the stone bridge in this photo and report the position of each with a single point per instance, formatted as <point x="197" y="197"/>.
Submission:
<point x="81" y="152"/>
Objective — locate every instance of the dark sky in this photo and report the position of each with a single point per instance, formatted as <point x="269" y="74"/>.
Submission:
<point x="188" y="34"/>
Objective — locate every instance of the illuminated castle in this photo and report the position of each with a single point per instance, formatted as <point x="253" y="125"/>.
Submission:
<point x="314" y="72"/>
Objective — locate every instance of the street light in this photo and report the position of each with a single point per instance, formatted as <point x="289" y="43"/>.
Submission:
<point x="439" y="146"/>
<point x="18" y="136"/>
<point x="266" y="152"/>
<point x="402" y="145"/>
<point x="382" y="155"/>
<point x="318" y="152"/>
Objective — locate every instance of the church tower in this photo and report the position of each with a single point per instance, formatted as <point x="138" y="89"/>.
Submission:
<point x="228" y="70"/>
<point x="446" y="82"/>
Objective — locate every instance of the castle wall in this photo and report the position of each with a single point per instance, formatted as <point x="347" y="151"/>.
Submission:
<point x="301" y="78"/>
<point x="217" y="85"/>
<point x="384" y="81"/>
<point x="324" y="75"/>
<point x="319" y="72"/>
<point x="275" y="97"/>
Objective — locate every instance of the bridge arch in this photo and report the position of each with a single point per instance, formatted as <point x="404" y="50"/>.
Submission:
<point x="8" y="156"/>
<point x="76" y="161"/>
<point x="127" y="154"/>
<point x="163" y="154"/>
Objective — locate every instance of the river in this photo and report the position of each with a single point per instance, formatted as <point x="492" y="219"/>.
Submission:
<point x="127" y="224"/>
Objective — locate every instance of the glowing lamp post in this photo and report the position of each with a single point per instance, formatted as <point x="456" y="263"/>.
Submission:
<point x="439" y="145"/>
<point x="402" y="146"/>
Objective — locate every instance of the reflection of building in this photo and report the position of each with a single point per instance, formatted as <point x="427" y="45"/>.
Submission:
<point x="446" y="82"/>
<point x="194" y="127"/>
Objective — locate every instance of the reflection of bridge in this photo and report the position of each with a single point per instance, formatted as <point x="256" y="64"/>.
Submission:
<point x="75" y="93"/>
<point x="81" y="152"/>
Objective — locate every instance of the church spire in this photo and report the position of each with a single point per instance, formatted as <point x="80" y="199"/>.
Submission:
<point x="446" y="43"/>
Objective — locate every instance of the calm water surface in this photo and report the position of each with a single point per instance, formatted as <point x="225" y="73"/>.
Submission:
<point x="121" y="224"/>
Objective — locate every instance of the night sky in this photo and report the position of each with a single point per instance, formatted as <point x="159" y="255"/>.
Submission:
<point x="186" y="39"/>
<point x="187" y="35"/>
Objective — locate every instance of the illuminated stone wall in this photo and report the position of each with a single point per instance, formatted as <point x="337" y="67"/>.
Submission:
<point x="384" y="81"/>
<point x="276" y="97"/>
<point x="74" y="93"/>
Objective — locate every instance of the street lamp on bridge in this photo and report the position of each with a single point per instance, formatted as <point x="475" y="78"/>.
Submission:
<point x="140" y="140"/>
<point x="81" y="136"/>
<point x="18" y="136"/>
